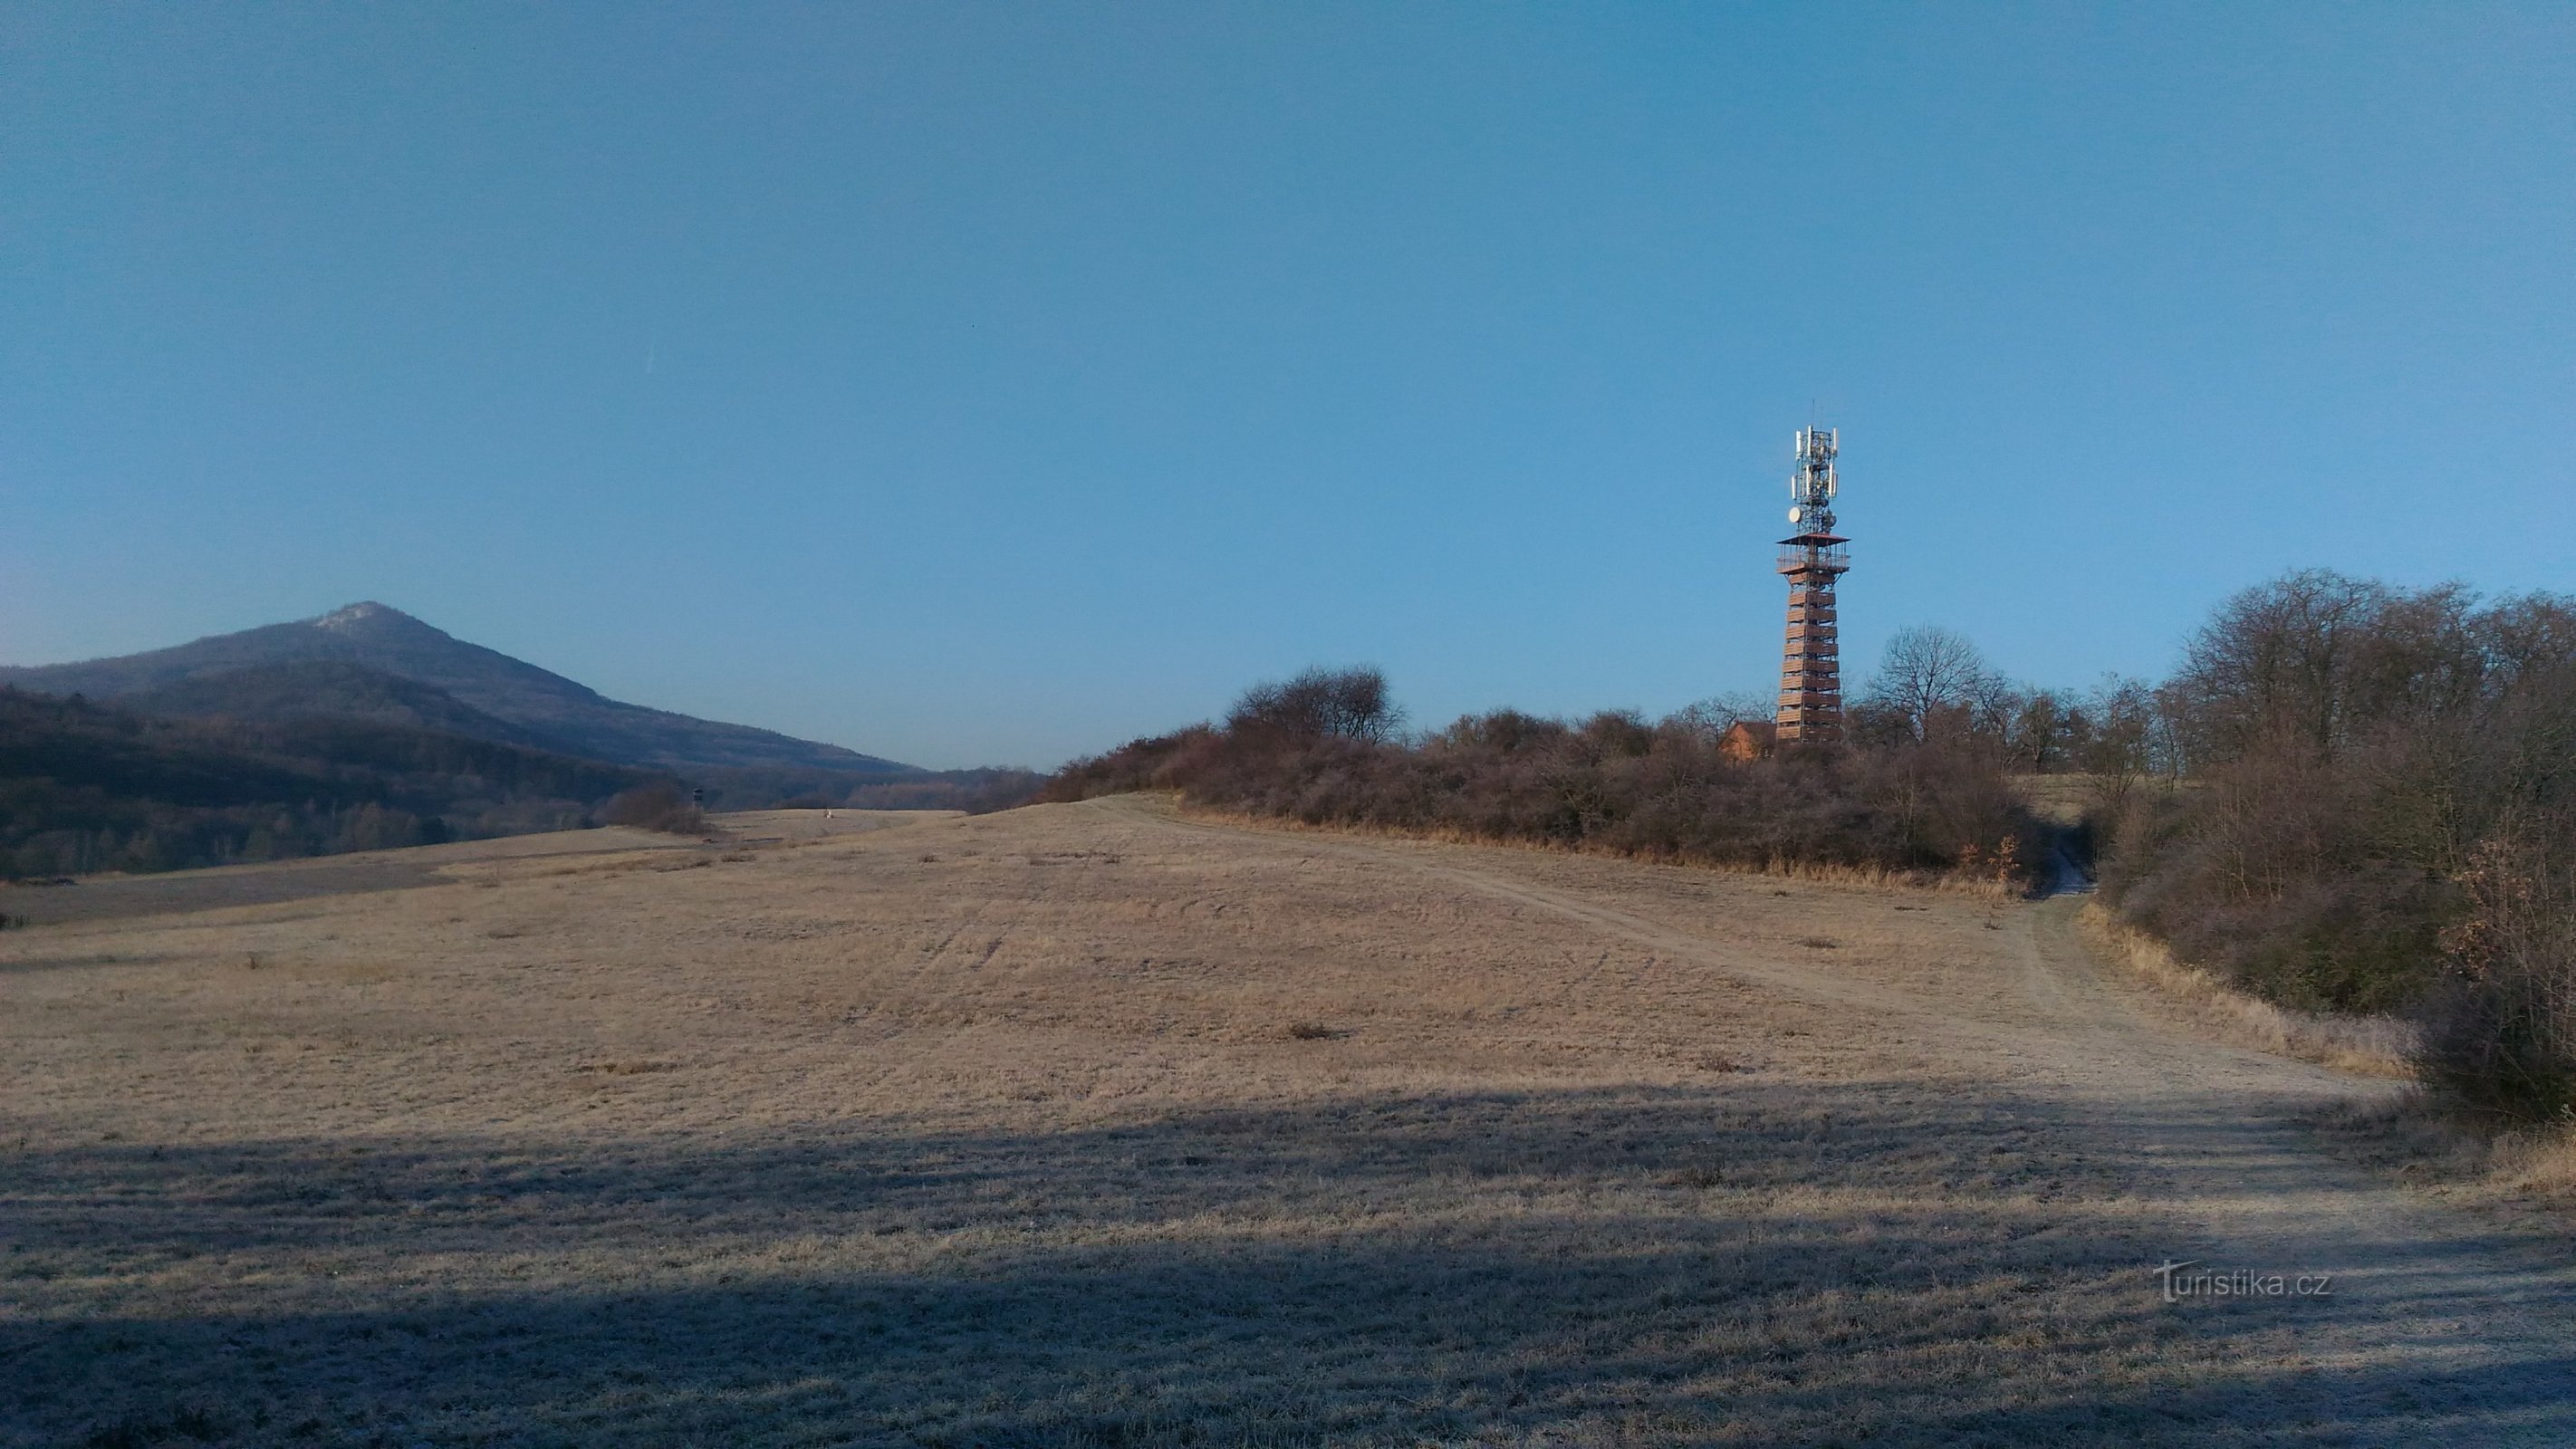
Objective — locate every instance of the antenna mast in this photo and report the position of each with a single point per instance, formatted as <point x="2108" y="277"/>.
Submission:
<point x="1812" y="558"/>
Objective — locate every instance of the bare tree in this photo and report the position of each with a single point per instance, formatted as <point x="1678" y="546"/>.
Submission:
<point x="1710" y="717"/>
<point x="1994" y="703"/>
<point x="2044" y="730"/>
<point x="1931" y="676"/>
<point x="2277" y="665"/>
<point x="1349" y="703"/>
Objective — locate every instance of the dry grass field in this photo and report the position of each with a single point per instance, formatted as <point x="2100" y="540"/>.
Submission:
<point x="1095" y="1125"/>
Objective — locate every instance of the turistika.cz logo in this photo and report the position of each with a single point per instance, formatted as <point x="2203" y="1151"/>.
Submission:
<point x="2180" y="1283"/>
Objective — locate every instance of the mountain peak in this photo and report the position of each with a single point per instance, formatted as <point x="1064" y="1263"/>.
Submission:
<point x="369" y="618"/>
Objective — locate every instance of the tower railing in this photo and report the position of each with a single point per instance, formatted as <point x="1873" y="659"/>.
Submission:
<point x="1828" y="559"/>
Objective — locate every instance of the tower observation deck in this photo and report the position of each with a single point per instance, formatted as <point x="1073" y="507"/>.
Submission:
<point x="1811" y="686"/>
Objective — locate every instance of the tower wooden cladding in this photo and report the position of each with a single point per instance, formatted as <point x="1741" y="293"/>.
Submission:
<point x="1811" y="684"/>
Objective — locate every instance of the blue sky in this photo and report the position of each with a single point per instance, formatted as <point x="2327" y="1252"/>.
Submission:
<point x="976" y="384"/>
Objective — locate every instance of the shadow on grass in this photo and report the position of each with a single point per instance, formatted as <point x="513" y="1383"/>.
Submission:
<point x="1755" y="1262"/>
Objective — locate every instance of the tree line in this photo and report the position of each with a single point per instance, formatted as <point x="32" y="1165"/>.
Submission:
<point x="2365" y="798"/>
<point x="87" y="787"/>
<point x="1328" y="747"/>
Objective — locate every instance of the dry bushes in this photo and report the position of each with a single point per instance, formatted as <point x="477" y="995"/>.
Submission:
<point x="1614" y="782"/>
<point x="660" y="806"/>
<point x="2500" y="1030"/>
<point x="2269" y="872"/>
<point x="2380" y="1046"/>
<point x="2377" y="808"/>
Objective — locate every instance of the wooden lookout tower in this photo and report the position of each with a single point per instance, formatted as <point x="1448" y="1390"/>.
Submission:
<point x="1811" y="683"/>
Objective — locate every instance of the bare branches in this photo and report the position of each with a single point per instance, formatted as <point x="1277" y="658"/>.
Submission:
<point x="2381" y="805"/>
<point x="1932" y="679"/>
<point x="1351" y="704"/>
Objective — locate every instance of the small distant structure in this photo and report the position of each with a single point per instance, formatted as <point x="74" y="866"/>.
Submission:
<point x="1811" y="685"/>
<point x="1747" y="740"/>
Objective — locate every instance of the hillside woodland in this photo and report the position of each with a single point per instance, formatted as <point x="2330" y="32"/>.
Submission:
<point x="90" y="787"/>
<point x="2363" y="797"/>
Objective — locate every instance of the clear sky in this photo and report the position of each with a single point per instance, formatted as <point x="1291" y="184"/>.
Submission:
<point x="977" y="384"/>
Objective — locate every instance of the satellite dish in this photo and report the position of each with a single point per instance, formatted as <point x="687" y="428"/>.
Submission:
<point x="1794" y="513"/>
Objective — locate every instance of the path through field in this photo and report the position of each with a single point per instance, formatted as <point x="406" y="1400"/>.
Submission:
<point x="2429" y="1329"/>
<point x="1095" y="1125"/>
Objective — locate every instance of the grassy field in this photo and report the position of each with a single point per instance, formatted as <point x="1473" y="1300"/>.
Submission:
<point x="1094" y="1125"/>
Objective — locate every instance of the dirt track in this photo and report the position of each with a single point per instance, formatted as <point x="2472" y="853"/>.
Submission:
<point x="1090" y="1124"/>
<point x="2434" y="1328"/>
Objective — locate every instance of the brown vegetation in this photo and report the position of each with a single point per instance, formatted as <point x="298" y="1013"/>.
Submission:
<point x="1321" y="750"/>
<point x="2500" y="1028"/>
<point x="2379" y="1046"/>
<point x="659" y="805"/>
<point x="2372" y="808"/>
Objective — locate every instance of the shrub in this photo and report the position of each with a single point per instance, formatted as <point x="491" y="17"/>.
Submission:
<point x="2500" y="1029"/>
<point x="660" y="805"/>
<point x="2352" y="749"/>
<point x="1614" y="781"/>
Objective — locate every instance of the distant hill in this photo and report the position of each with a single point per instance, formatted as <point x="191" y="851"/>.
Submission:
<point x="87" y="787"/>
<point x="376" y="663"/>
